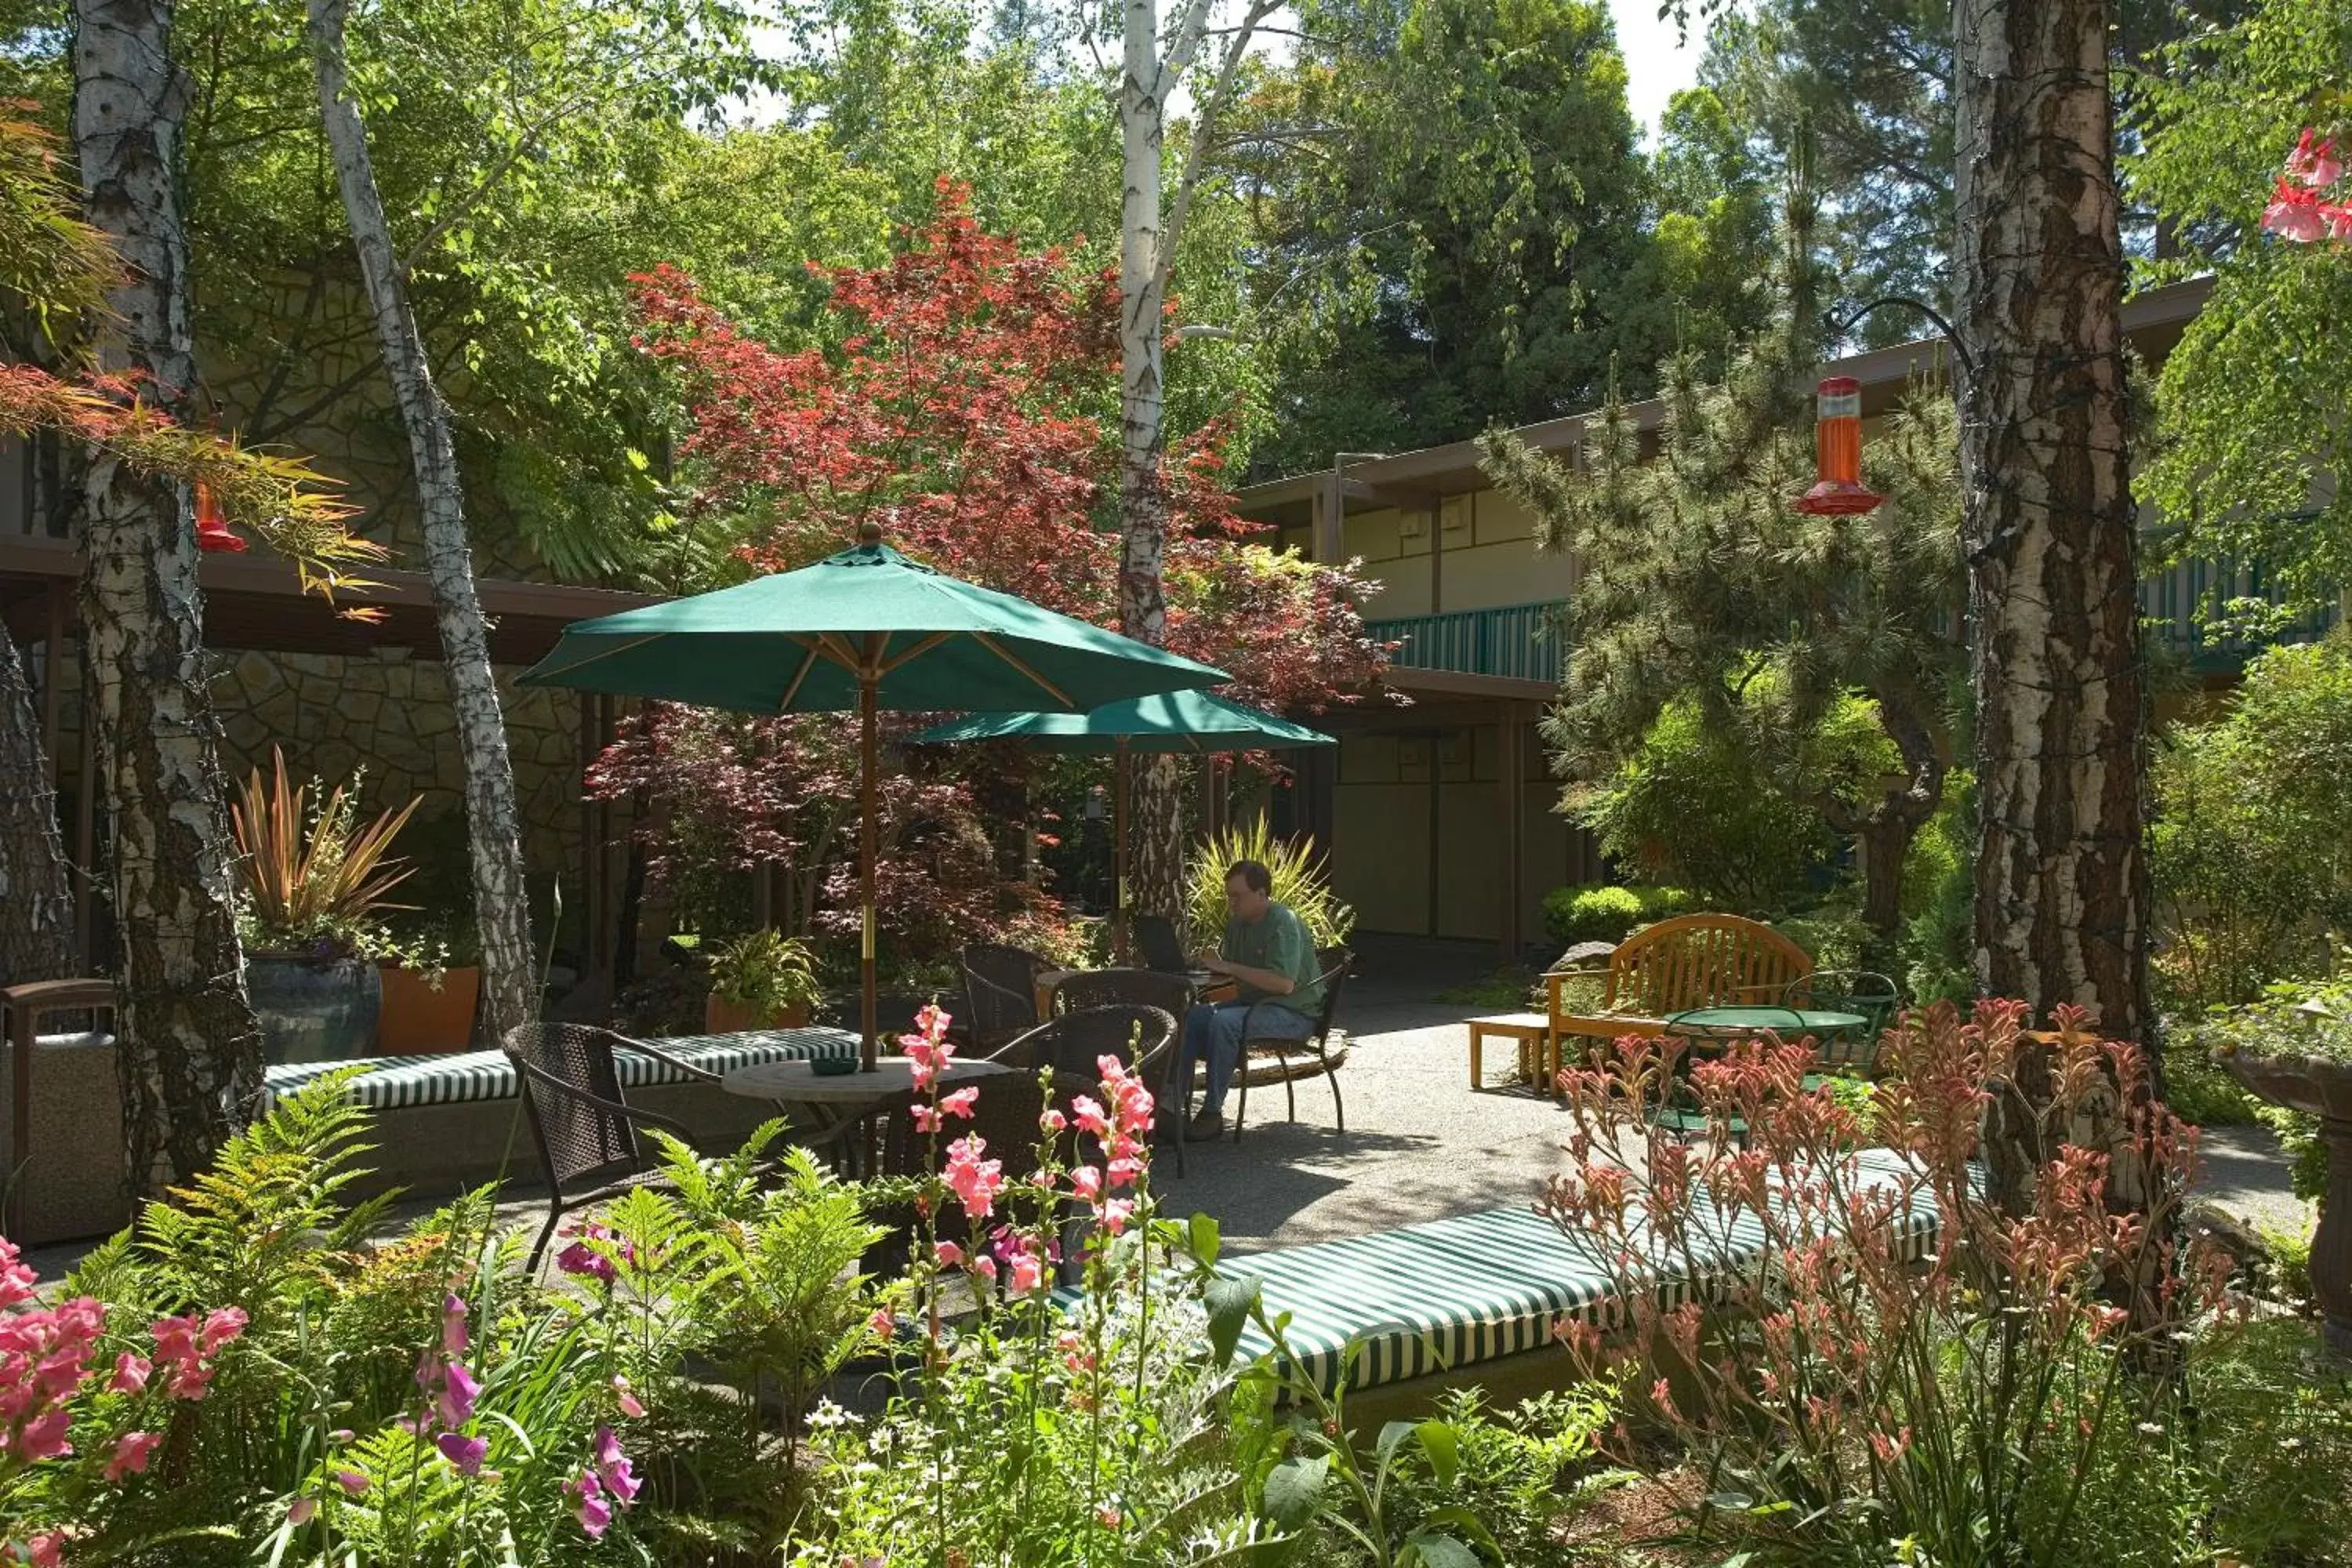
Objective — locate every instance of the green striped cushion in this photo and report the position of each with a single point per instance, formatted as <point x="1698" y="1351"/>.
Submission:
<point x="393" y="1083"/>
<point x="1452" y="1292"/>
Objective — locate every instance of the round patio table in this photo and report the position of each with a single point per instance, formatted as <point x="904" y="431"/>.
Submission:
<point x="825" y="1106"/>
<point x="1719" y="1026"/>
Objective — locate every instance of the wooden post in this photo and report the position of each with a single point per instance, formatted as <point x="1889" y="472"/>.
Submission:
<point x="868" y="748"/>
<point x="1119" y="848"/>
<point x="1511" y="761"/>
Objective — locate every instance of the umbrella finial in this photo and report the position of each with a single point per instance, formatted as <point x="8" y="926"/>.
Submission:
<point x="869" y="533"/>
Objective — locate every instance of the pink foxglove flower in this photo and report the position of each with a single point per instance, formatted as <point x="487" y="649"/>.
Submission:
<point x="613" y="1467"/>
<point x="354" y="1483"/>
<point x="456" y="1405"/>
<point x="631" y="1407"/>
<point x="465" y="1453"/>
<point x="303" y="1510"/>
<point x="454" y="1335"/>
<point x="595" y="1514"/>
<point x="132" y="1452"/>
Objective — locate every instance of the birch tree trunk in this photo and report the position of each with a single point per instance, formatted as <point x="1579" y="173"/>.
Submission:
<point x="2062" y="893"/>
<point x="1147" y="248"/>
<point x="36" y="891"/>
<point x="191" y="1055"/>
<point x="493" y="825"/>
<point x="1155" y="837"/>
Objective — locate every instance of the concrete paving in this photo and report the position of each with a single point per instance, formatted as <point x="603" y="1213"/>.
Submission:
<point x="1420" y="1143"/>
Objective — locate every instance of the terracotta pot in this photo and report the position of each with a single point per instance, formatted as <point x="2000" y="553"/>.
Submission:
<point x="419" y="1021"/>
<point x="312" y="1009"/>
<point x="2321" y="1087"/>
<point x="722" y="1017"/>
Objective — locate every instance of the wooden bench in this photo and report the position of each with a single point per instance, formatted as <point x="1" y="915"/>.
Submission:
<point x="1690" y="961"/>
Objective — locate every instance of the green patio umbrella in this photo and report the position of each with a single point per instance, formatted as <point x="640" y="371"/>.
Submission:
<point x="1171" y="722"/>
<point x="865" y="629"/>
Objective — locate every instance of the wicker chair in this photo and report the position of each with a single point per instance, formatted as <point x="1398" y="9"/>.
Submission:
<point x="1335" y="962"/>
<point x="1073" y="1045"/>
<point x="584" y="1127"/>
<point x="1000" y="988"/>
<point x="1171" y="994"/>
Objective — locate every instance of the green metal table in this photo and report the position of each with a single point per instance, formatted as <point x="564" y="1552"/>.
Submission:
<point x="1720" y="1025"/>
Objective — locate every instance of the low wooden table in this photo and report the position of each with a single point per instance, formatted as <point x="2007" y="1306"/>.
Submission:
<point x="1539" y="1052"/>
<point x="825" y="1106"/>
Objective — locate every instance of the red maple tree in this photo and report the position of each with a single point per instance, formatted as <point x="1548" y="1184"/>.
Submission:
<point x="972" y="410"/>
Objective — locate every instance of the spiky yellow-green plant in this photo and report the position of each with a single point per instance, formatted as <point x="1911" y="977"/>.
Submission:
<point x="310" y="871"/>
<point x="1300" y="881"/>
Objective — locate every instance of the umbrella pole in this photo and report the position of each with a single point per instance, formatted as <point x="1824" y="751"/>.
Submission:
<point x="865" y="868"/>
<point x="1119" y="920"/>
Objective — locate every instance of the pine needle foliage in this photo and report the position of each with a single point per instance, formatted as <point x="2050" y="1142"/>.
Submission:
<point x="1703" y="585"/>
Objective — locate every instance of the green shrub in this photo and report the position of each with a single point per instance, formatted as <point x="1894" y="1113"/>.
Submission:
<point x="2251" y="851"/>
<point x="1598" y="912"/>
<point x="1691" y="808"/>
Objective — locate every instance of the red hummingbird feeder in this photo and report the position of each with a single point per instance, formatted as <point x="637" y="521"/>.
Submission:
<point x="213" y="532"/>
<point x="1838" y="490"/>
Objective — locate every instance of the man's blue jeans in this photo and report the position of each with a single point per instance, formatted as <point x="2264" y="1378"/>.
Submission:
<point x="1214" y="1035"/>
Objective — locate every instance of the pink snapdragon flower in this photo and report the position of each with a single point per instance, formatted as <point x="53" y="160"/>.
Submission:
<point x="1028" y="1273"/>
<point x="18" y="1279"/>
<point x="130" y="1374"/>
<point x="958" y="1102"/>
<point x="132" y="1452"/>
<point x="975" y="1180"/>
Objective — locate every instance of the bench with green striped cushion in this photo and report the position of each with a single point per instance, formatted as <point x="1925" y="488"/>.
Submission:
<point x="391" y="1083"/>
<point x="1446" y="1294"/>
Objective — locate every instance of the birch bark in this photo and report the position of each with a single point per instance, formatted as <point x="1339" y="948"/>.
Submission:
<point x="2062" y="894"/>
<point x="493" y="824"/>
<point x="36" y="892"/>
<point x="191" y="1056"/>
<point x="1148" y="240"/>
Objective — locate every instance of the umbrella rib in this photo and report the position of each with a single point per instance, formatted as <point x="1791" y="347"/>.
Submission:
<point x="914" y="653"/>
<point x="808" y="662"/>
<point x="607" y="653"/>
<point x="993" y="646"/>
<point x="840" y="652"/>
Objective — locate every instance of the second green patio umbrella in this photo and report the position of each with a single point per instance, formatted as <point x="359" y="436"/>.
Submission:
<point x="865" y="629"/>
<point x="1172" y="722"/>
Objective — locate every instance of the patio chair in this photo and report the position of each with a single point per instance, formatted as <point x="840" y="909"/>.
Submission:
<point x="1873" y="995"/>
<point x="1072" y="1046"/>
<point x="1336" y="963"/>
<point x="584" y="1127"/>
<point x="1171" y="994"/>
<point x="1158" y="945"/>
<point x="1000" y="989"/>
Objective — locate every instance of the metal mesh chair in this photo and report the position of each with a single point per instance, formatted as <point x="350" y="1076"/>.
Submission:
<point x="1171" y="994"/>
<point x="1872" y="996"/>
<point x="1073" y="1045"/>
<point x="584" y="1127"/>
<point x="1335" y="962"/>
<point x="1000" y="988"/>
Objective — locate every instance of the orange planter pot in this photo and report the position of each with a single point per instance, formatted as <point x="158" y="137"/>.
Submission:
<point x="419" y="1021"/>
<point x="720" y="1018"/>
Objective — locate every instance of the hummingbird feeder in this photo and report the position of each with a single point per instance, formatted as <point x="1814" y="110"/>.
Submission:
<point x="1838" y="490"/>
<point x="213" y="532"/>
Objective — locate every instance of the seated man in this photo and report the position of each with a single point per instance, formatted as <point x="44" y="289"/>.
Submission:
<point x="1269" y="956"/>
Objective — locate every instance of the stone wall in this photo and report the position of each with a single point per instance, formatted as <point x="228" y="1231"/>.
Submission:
<point x="331" y="714"/>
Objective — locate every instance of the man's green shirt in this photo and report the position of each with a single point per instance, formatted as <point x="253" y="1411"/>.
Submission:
<point x="1279" y="942"/>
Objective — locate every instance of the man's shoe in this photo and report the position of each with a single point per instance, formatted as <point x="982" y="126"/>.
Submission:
<point x="1205" y="1128"/>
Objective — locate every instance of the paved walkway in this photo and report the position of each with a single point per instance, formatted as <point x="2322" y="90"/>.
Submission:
<point x="1419" y="1145"/>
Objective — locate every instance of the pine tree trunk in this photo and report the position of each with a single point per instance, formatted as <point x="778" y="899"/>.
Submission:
<point x="191" y="1057"/>
<point x="2062" y="894"/>
<point x="1155" y="841"/>
<point x="35" y="890"/>
<point x="493" y="824"/>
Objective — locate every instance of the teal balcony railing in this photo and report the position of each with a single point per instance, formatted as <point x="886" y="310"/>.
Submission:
<point x="1522" y="641"/>
<point x="1514" y="640"/>
<point x="2175" y="600"/>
